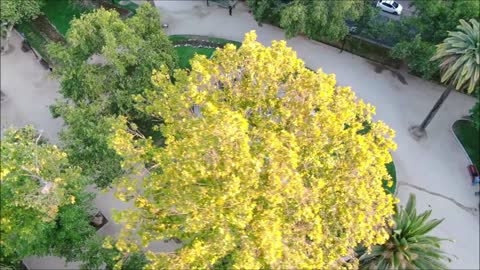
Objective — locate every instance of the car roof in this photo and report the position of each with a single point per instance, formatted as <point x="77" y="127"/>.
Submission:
<point x="388" y="1"/>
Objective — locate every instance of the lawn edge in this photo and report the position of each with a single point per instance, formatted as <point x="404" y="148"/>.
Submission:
<point x="458" y="140"/>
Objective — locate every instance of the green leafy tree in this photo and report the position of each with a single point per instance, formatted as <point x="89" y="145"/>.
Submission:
<point x="459" y="57"/>
<point x="431" y="17"/>
<point x="417" y="54"/>
<point x="409" y="246"/>
<point x="99" y="253"/>
<point x="86" y="141"/>
<point x="321" y="19"/>
<point x="432" y="21"/>
<point x="104" y="62"/>
<point x="44" y="208"/>
<point x="264" y="165"/>
<point x="267" y="10"/>
<point x="14" y="12"/>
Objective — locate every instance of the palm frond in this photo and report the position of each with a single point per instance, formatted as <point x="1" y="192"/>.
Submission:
<point x="408" y="246"/>
<point x="460" y="56"/>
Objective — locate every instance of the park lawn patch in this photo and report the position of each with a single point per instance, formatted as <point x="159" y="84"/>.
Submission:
<point x="392" y="172"/>
<point x="131" y="6"/>
<point x="61" y="12"/>
<point x="34" y="38"/>
<point x="390" y="166"/>
<point x="468" y="136"/>
<point x="225" y="41"/>
<point x="220" y="41"/>
<point x="185" y="53"/>
<point x="174" y="38"/>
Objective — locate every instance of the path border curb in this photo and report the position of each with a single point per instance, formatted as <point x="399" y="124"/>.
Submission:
<point x="458" y="141"/>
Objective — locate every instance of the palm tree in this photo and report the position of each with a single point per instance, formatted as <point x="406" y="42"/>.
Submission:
<point x="460" y="66"/>
<point x="408" y="247"/>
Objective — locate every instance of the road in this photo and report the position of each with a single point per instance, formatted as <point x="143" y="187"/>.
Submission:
<point x="407" y="10"/>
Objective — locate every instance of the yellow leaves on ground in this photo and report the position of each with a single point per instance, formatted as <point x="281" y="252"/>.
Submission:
<point x="266" y="164"/>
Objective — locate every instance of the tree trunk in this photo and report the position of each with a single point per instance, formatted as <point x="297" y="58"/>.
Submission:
<point x="7" y="37"/>
<point x="436" y="107"/>
<point x="418" y="132"/>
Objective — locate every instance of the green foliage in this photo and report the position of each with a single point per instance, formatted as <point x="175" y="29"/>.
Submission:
<point x="459" y="54"/>
<point x="186" y="53"/>
<point x="17" y="11"/>
<point x="434" y="18"/>
<point x="468" y="136"/>
<point x="417" y="54"/>
<point x="61" y="12"/>
<point x="267" y="10"/>
<point x="72" y="228"/>
<point x="86" y="141"/>
<point x="135" y="260"/>
<point x="391" y="186"/>
<point x="258" y="170"/>
<point x="44" y="208"/>
<point x="316" y="19"/>
<point x="432" y="21"/>
<point x="14" y="12"/>
<point x="368" y="18"/>
<point x="409" y="246"/>
<point x="34" y="38"/>
<point x="104" y="62"/>
<point x="95" y="255"/>
<point x="321" y="19"/>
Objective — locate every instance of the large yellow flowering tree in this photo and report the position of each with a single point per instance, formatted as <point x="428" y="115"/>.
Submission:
<point x="264" y="165"/>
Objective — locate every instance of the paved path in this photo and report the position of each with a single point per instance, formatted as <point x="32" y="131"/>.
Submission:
<point x="437" y="164"/>
<point x="433" y="169"/>
<point x="29" y="90"/>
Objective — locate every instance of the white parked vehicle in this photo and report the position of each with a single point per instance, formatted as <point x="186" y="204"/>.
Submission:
<point x="390" y="6"/>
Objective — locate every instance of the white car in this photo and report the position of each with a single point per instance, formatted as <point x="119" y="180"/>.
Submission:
<point x="390" y="6"/>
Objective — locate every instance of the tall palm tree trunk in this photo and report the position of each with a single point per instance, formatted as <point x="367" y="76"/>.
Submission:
<point x="419" y="131"/>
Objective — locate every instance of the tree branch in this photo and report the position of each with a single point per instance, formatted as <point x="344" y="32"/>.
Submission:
<point x="31" y="174"/>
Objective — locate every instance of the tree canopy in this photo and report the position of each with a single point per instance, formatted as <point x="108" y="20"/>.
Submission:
<point x="16" y="11"/>
<point x="44" y="208"/>
<point x="432" y="21"/>
<point x="104" y="62"/>
<point x="316" y="19"/>
<point x="265" y="165"/>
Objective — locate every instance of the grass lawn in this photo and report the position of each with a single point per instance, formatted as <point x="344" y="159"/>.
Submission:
<point x="185" y="53"/>
<point x="468" y="136"/>
<point x="390" y="166"/>
<point x="34" y="38"/>
<point x="391" y="171"/>
<point x="61" y="12"/>
<point x="130" y="6"/>
<point x="174" y="38"/>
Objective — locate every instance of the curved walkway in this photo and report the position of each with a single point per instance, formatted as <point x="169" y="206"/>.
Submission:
<point x="434" y="169"/>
